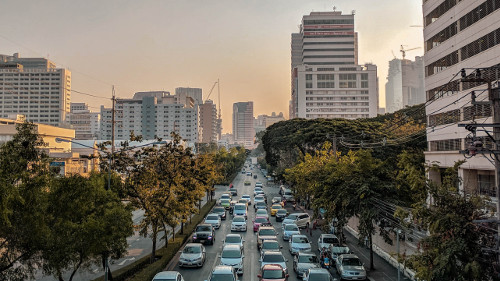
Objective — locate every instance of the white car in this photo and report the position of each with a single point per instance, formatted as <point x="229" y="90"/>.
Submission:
<point x="289" y="230"/>
<point x="325" y="240"/>
<point x="302" y="220"/>
<point x="299" y="243"/>
<point x="273" y="258"/>
<point x="239" y="224"/>
<point x="233" y="239"/>
<point x="240" y="209"/>
<point x="259" y="198"/>
<point x="271" y="246"/>
<point x="349" y="267"/>
<point x="261" y="213"/>
<point x="232" y="255"/>
<point x="193" y="255"/>
<point x="247" y="197"/>
<point x="223" y="272"/>
<point x="214" y="220"/>
<point x="168" y="276"/>
<point x="315" y="274"/>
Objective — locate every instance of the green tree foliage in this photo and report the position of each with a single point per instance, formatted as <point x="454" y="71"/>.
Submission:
<point x="229" y="163"/>
<point x="86" y="221"/>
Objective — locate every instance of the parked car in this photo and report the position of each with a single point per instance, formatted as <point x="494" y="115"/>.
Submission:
<point x="317" y="274"/>
<point x="193" y="255"/>
<point x="232" y="255"/>
<point x="273" y="258"/>
<point x="281" y="214"/>
<point x="265" y="233"/>
<point x="168" y="276"/>
<point x="221" y="211"/>
<point x="261" y="213"/>
<point x="325" y="240"/>
<point x="304" y="261"/>
<point x="349" y="267"/>
<point x="272" y="272"/>
<point x="240" y="210"/>
<point x="214" y="220"/>
<point x="289" y="230"/>
<point x="260" y="206"/>
<point x="204" y="233"/>
<point x="223" y="272"/>
<point x="302" y="220"/>
<point x="234" y="239"/>
<point x="299" y="243"/>
<point x="258" y="221"/>
<point x="270" y="245"/>
<point x="239" y="224"/>
<point x="275" y="208"/>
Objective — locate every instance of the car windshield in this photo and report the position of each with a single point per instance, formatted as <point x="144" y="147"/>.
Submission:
<point x="273" y="258"/>
<point x="300" y="239"/>
<point x="238" y="219"/>
<point x="261" y="204"/>
<point x="244" y="201"/>
<point x="281" y="212"/>
<point x="351" y="262"/>
<point x="225" y="201"/>
<point x="212" y="217"/>
<point x="331" y="240"/>
<point x="308" y="259"/>
<point x="288" y="193"/>
<point x="277" y="199"/>
<point x="191" y="250"/>
<point x="219" y="210"/>
<point x="270" y="245"/>
<point x="273" y="274"/>
<point x="260" y="220"/>
<point x="261" y="212"/>
<point x="259" y="198"/>
<point x="240" y="207"/>
<point x="245" y="196"/>
<point x="277" y="207"/>
<point x="233" y="239"/>
<point x="222" y="277"/>
<point x="267" y="231"/>
<point x="203" y="228"/>
<point x="319" y="277"/>
<point x="231" y="254"/>
<point x="292" y="217"/>
<point x="291" y="227"/>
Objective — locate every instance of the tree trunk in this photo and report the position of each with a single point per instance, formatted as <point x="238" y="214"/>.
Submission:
<point x="182" y="227"/>
<point x="371" y="252"/>
<point x="173" y="233"/>
<point x="153" y="250"/>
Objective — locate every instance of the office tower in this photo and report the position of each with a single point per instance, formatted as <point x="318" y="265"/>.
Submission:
<point x="208" y="122"/>
<point x="460" y="35"/>
<point x="243" y="130"/>
<point x="85" y="122"/>
<point x="327" y="81"/>
<point x="405" y="84"/>
<point x="34" y="87"/>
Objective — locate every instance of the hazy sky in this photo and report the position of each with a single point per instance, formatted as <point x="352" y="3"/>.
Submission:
<point x="160" y="45"/>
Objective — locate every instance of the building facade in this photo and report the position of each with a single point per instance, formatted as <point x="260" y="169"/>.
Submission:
<point x="264" y="121"/>
<point x="151" y="115"/>
<point x="208" y="122"/>
<point x="405" y="84"/>
<point x="459" y="34"/>
<point x="86" y="123"/>
<point x="35" y="88"/>
<point x="327" y="81"/>
<point x="243" y="130"/>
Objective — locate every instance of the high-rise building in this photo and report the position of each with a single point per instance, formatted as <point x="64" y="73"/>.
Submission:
<point x="264" y="121"/>
<point x="460" y="34"/>
<point x="327" y="81"/>
<point x="151" y="115"/>
<point x="85" y="122"/>
<point x="208" y="122"/>
<point x="243" y="130"/>
<point x="405" y="84"/>
<point x="195" y="93"/>
<point x="34" y="87"/>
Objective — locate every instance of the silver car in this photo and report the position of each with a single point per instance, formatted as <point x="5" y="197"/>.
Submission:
<point x="271" y="246"/>
<point x="233" y="239"/>
<point x="193" y="255"/>
<point x="289" y="230"/>
<point x="317" y="274"/>
<point x="232" y="255"/>
<point x="325" y="240"/>
<point x="303" y="261"/>
<point x="214" y="220"/>
<point x="299" y="243"/>
<point x="239" y="224"/>
<point x="350" y="267"/>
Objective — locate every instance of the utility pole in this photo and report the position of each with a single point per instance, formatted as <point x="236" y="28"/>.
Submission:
<point x="113" y="123"/>
<point x="494" y="96"/>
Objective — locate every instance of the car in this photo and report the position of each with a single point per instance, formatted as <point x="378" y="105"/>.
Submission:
<point x="193" y="255"/>
<point x="325" y="240"/>
<point x="257" y="190"/>
<point x="349" y="267"/>
<point x="221" y="211"/>
<point x="259" y="198"/>
<point x="261" y="213"/>
<point x="259" y="184"/>
<point x="258" y="221"/>
<point x="247" y="182"/>
<point x="240" y="209"/>
<point x="204" y="233"/>
<point x="223" y="272"/>
<point x="214" y="220"/>
<point x="265" y="233"/>
<point x="232" y="255"/>
<point x="272" y="272"/>
<point x="299" y="243"/>
<point x="239" y="224"/>
<point x="226" y="196"/>
<point x="234" y="239"/>
<point x="242" y="201"/>
<point x="281" y="214"/>
<point x="303" y="261"/>
<point x="254" y="176"/>
<point x="248" y="198"/>
<point x="168" y="276"/>
<point x="249" y="173"/>
<point x="270" y="245"/>
<point x="288" y="195"/>
<point x="302" y="220"/>
<point x="276" y="200"/>
<point x="273" y="258"/>
<point x="338" y="249"/>
<point x="275" y="208"/>
<point x="234" y="192"/>
<point x="260" y="206"/>
<point x="226" y="203"/>
<point x="289" y="230"/>
<point x="317" y="274"/>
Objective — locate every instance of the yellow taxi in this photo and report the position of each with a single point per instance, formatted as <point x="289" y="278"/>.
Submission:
<point x="275" y="208"/>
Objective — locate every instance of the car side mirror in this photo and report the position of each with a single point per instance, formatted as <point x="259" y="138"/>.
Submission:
<point x="242" y="256"/>
<point x="259" y="275"/>
<point x="260" y="260"/>
<point x="281" y="247"/>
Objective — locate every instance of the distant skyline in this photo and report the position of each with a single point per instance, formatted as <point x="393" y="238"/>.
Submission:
<point x="161" y="45"/>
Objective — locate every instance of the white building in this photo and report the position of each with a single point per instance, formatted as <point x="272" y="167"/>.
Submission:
<point x="405" y="84"/>
<point x="327" y="81"/>
<point x="151" y="115"/>
<point x="85" y="122"/>
<point x="459" y="34"/>
<point x="243" y="130"/>
<point x="263" y="121"/>
<point x="34" y="87"/>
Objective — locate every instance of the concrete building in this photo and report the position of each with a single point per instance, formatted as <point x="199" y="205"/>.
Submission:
<point x="195" y="93"/>
<point x="327" y="81"/>
<point x="34" y="87"/>
<point x="243" y="130"/>
<point x="152" y="114"/>
<point x="85" y="122"/>
<point x="208" y="123"/>
<point x="264" y="121"/>
<point x="459" y="35"/>
<point x="405" y="84"/>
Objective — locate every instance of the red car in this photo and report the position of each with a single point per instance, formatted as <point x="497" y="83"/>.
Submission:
<point x="258" y="221"/>
<point x="272" y="272"/>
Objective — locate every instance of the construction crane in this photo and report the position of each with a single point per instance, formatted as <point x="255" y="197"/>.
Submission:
<point x="403" y="50"/>
<point x="219" y="119"/>
<point x="216" y="82"/>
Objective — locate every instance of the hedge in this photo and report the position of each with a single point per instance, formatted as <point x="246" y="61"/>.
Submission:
<point x="142" y="270"/>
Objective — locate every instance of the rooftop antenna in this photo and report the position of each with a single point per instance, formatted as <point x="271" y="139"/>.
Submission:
<point x="353" y="12"/>
<point x="334" y="8"/>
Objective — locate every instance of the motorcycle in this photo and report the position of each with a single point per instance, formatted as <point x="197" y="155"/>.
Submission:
<point x="326" y="263"/>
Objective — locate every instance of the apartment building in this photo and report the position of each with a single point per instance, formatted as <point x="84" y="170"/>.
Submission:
<point x="35" y="88"/>
<point x="208" y="122"/>
<point x="460" y="34"/>
<point x="243" y="130"/>
<point x="327" y="81"/>
<point x="85" y="122"/>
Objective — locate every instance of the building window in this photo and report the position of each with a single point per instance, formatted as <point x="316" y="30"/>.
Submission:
<point x="445" y="145"/>
<point x="326" y="80"/>
<point x="347" y="80"/>
<point x="486" y="184"/>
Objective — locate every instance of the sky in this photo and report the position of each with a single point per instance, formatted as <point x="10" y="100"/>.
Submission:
<point x="164" y="44"/>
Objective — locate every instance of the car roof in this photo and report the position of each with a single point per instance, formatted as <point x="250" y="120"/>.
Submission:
<point x="198" y="245"/>
<point x="166" y="274"/>
<point x="232" y="247"/>
<point x="272" y="267"/>
<point x="205" y="224"/>
<point x="233" y="235"/>
<point x="245" y="195"/>
<point x="266" y="227"/>
<point x="238" y="217"/>
<point x="306" y="254"/>
<point x="272" y="253"/>
<point x="282" y="210"/>
<point x="223" y="269"/>
<point x="328" y="235"/>
<point x="318" y="270"/>
<point x="240" y="204"/>
<point x="213" y="214"/>
<point x="349" y="256"/>
<point x="299" y="235"/>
